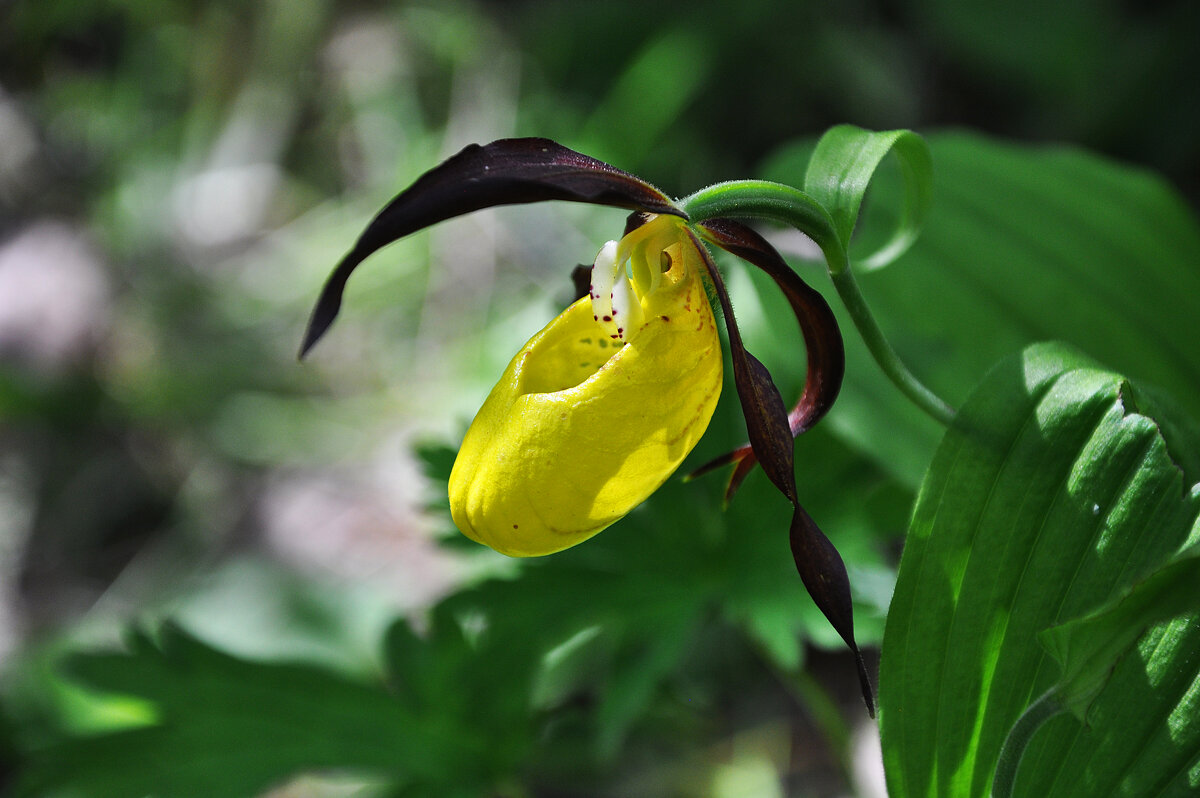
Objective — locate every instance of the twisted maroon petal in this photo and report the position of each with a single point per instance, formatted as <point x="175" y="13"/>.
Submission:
<point x="818" y="326"/>
<point x="767" y="422"/>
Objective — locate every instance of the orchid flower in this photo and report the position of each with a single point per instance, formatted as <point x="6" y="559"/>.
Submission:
<point x="598" y="409"/>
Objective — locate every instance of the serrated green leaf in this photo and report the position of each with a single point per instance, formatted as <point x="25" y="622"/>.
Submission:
<point x="642" y="591"/>
<point x="226" y="726"/>
<point x="1047" y="497"/>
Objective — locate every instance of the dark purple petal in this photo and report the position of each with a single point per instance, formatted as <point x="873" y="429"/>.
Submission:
<point x="817" y="560"/>
<point x="763" y="407"/>
<point x="818" y="326"/>
<point x="505" y="172"/>
<point x="824" y="575"/>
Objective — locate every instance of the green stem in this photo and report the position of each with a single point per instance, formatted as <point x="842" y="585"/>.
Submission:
<point x="881" y="350"/>
<point x="1037" y="713"/>
<point x="780" y="203"/>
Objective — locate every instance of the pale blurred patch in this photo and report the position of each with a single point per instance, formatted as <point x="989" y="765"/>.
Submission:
<point x="360" y="527"/>
<point x="866" y="765"/>
<point x="55" y="298"/>
<point x="19" y="148"/>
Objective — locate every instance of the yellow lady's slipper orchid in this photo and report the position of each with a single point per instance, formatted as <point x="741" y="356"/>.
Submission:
<point x="600" y="407"/>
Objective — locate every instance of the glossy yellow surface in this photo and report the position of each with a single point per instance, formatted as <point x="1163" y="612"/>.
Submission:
<point x="582" y="428"/>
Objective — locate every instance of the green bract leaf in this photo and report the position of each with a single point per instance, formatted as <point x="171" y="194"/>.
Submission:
<point x="1050" y="495"/>
<point x="841" y="168"/>
<point x="829" y="220"/>
<point x="762" y="199"/>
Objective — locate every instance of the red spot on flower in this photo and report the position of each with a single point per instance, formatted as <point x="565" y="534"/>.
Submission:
<point x="608" y="318"/>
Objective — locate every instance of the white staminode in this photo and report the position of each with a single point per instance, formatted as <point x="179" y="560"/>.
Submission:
<point x="615" y="304"/>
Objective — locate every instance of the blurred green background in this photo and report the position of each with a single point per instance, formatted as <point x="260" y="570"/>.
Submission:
<point x="177" y="179"/>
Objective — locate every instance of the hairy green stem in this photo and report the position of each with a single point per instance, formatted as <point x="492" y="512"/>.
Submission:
<point x="780" y="203"/>
<point x="1037" y="713"/>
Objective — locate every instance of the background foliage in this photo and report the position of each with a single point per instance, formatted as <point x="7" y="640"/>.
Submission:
<point x="178" y="177"/>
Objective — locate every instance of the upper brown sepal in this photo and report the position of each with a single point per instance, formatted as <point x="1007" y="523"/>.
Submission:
<point x="505" y="172"/>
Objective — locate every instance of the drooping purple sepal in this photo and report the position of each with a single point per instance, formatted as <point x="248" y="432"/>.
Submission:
<point x="771" y="440"/>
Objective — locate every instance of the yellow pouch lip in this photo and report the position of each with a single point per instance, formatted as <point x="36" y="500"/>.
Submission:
<point x="519" y="484"/>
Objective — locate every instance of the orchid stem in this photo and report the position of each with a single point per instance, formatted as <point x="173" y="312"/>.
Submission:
<point x="1037" y="713"/>
<point x="881" y="350"/>
<point x="782" y="203"/>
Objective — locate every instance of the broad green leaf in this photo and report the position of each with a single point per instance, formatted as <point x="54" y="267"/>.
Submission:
<point x="1022" y="244"/>
<point x="1050" y="495"/>
<point x="1088" y="648"/>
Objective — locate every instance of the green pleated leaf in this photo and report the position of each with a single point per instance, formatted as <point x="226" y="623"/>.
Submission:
<point x="1089" y="648"/>
<point x="1021" y="244"/>
<point x="1050" y="495"/>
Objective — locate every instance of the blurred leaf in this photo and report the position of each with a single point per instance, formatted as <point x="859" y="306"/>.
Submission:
<point x="226" y="726"/>
<point x="1021" y="245"/>
<point x="1049" y="496"/>
<point x="635" y="597"/>
<point x="645" y="602"/>
<point x="654" y="88"/>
